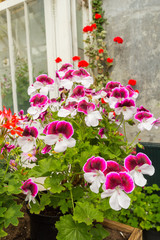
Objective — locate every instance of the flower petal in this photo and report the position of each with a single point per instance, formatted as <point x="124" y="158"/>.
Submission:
<point x="123" y="199"/>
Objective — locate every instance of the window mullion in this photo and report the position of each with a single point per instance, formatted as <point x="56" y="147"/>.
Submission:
<point x="11" y="57"/>
<point x="49" y="13"/>
<point x="30" y="68"/>
<point x="74" y="27"/>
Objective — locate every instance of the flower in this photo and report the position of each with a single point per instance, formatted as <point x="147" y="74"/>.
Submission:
<point x="94" y="26"/>
<point x="118" y="40"/>
<point x="100" y="50"/>
<point x="94" y="168"/>
<point x="58" y="60"/>
<point x="88" y="28"/>
<point x="59" y="133"/>
<point x="97" y="16"/>
<point x="109" y="60"/>
<point x="75" y="58"/>
<point x="30" y="189"/>
<point x="28" y="140"/>
<point x="93" y="117"/>
<point x="116" y="186"/>
<point x="137" y="166"/>
<point x="132" y="82"/>
<point x="83" y="63"/>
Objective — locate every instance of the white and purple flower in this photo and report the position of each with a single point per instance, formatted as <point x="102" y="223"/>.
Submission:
<point x="69" y="109"/>
<point x="116" y="186"/>
<point x="94" y="168"/>
<point x="42" y="83"/>
<point x="28" y="140"/>
<point x="93" y="117"/>
<point x="59" y="133"/>
<point x="145" y="119"/>
<point x="30" y="189"/>
<point x="126" y="107"/>
<point x="137" y="166"/>
<point x="118" y="94"/>
<point x="83" y="77"/>
<point x="39" y="104"/>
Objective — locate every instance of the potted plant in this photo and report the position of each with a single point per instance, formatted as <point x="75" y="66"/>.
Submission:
<point x="143" y="212"/>
<point x="75" y="143"/>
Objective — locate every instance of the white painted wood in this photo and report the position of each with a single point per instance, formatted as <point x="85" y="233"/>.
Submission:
<point x="50" y="20"/>
<point x="29" y="58"/>
<point x="9" y="3"/>
<point x="74" y="27"/>
<point x="0" y="97"/>
<point x="63" y="30"/>
<point x="85" y="18"/>
<point x="90" y="10"/>
<point x="11" y="57"/>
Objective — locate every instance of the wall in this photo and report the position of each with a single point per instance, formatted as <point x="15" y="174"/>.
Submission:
<point x="137" y="22"/>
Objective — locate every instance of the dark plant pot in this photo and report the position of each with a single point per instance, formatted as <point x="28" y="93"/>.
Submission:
<point x="42" y="226"/>
<point x="151" y="235"/>
<point x="152" y="150"/>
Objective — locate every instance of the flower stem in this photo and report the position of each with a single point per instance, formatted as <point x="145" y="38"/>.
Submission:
<point x="72" y="199"/>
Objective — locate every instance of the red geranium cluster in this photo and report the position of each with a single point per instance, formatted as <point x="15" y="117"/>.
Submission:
<point x="90" y="28"/>
<point x="97" y="16"/>
<point x="118" y="40"/>
<point x="132" y="82"/>
<point x="109" y="60"/>
<point x="76" y="58"/>
<point x="83" y="63"/>
<point x="58" y="59"/>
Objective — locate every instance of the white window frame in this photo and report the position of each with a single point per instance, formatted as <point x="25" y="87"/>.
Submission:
<point x="54" y="11"/>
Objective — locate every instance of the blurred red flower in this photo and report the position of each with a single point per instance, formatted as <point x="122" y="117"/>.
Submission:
<point x="109" y="60"/>
<point x="132" y="82"/>
<point x="75" y="58"/>
<point x="100" y="50"/>
<point x="83" y="63"/>
<point x="58" y="59"/>
<point x="97" y="16"/>
<point x="118" y="40"/>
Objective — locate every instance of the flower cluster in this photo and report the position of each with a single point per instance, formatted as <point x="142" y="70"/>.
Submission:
<point x="77" y="100"/>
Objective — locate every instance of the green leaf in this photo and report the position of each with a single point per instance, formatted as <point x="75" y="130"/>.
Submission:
<point x="12" y="214"/>
<point x="45" y="166"/>
<point x="87" y="213"/>
<point x="2" y="232"/>
<point x="2" y="210"/>
<point x="98" y="232"/>
<point x="54" y="183"/>
<point x="38" y="207"/>
<point x="70" y="230"/>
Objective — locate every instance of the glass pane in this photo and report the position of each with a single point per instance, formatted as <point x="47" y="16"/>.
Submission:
<point x="5" y="77"/>
<point x="37" y="37"/>
<point x="79" y="28"/>
<point x="20" y="54"/>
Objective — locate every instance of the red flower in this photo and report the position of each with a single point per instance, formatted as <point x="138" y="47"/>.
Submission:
<point x="136" y="91"/>
<point x="58" y="59"/>
<point x="118" y="40"/>
<point x="132" y="82"/>
<point x="102" y="100"/>
<point x="94" y="26"/>
<point x="97" y="16"/>
<point x="88" y="28"/>
<point x="100" y="50"/>
<point x="83" y="63"/>
<point x="109" y="60"/>
<point x="75" y="58"/>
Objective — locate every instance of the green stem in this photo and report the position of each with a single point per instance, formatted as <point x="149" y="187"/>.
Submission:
<point x="72" y="199"/>
<point x="135" y="138"/>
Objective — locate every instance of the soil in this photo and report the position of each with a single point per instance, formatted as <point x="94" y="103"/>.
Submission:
<point x="22" y="231"/>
